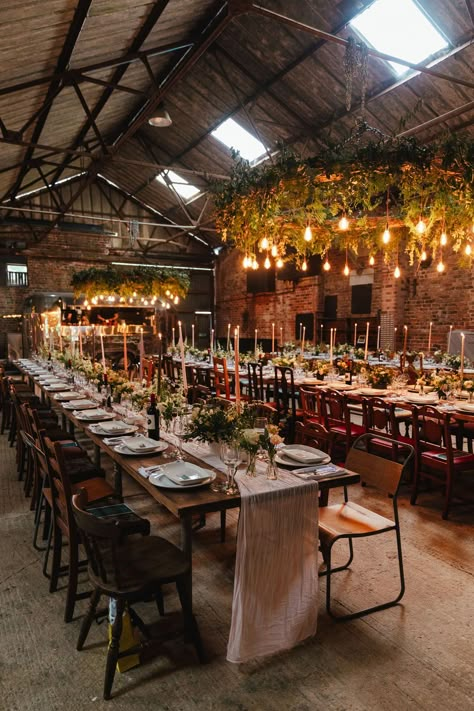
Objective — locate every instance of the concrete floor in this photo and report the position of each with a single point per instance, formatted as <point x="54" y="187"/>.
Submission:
<point x="418" y="655"/>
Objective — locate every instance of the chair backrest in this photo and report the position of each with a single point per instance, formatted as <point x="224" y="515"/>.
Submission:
<point x="284" y="394"/>
<point x="314" y="434"/>
<point x="221" y="378"/>
<point x="148" y="370"/>
<point x="202" y="376"/>
<point x="198" y="393"/>
<point x="334" y="409"/>
<point x="101" y="538"/>
<point x="383" y="474"/>
<point x="431" y="431"/>
<point x="310" y="403"/>
<point x="168" y="367"/>
<point x="60" y="486"/>
<point x="379" y="416"/>
<point x="255" y="381"/>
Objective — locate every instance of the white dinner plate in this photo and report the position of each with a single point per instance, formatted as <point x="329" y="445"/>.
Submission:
<point x="319" y="456"/>
<point x="66" y="396"/>
<point x="312" y="381"/>
<point x="56" y="387"/>
<point x="373" y="392"/>
<point x="85" y="417"/>
<point x="161" y="480"/>
<point x="97" y="429"/>
<point x="80" y="405"/>
<point x="123" y="449"/>
<point x="468" y="409"/>
<point x="422" y="399"/>
<point x="336" y="385"/>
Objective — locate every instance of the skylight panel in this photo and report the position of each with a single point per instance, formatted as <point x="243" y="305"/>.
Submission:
<point x="399" y="28"/>
<point x="232" y="135"/>
<point x="181" y="185"/>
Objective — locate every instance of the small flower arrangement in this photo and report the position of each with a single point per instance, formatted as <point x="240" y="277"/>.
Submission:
<point x="379" y="377"/>
<point x="212" y="423"/>
<point x="321" y="368"/>
<point x="286" y="361"/>
<point x="444" y="381"/>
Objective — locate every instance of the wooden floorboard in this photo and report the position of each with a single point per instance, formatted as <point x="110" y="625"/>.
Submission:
<point x="415" y="656"/>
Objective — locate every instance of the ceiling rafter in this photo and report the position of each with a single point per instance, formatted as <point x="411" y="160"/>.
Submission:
<point x="64" y="58"/>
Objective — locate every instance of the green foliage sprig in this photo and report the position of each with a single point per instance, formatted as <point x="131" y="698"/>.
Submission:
<point x="142" y="281"/>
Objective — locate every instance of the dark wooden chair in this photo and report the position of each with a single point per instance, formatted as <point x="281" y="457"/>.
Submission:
<point x="311" y="406"/>
<point x="255" y="384"/>
<point x="221" y="379"/>
<point x="382" y="418"/>
<point x="436" y="460"/>
<point x="285" y="397"/>
<point x="351" y="521"/>
<point x="130" y="571"/>
<point x="337" y="418"/>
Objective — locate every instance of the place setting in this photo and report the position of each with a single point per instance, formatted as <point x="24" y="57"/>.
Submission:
<point x="95" y="414"/>
<point x="138" y="446"/>
<point x="178" y="475"/>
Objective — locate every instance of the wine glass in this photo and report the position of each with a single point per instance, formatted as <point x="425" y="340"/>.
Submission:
<point x="179" y="428"/>
<point x="231" y="455"/>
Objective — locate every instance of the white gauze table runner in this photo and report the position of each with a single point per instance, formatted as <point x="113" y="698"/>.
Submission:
<point x="275" y="603"/>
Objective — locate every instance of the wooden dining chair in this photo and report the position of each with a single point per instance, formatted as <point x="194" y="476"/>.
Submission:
<point x="436" y="459"/>
<point x="382" y="418"/>
<point x="255" y="385"/>
<point x="311" y="406"/>
<point x="285" y="397"/>
<point x="221" y="378"/>
<point x="130" y="571"/>
<point x="336" y="417"/>
<point x="350" y="521"/>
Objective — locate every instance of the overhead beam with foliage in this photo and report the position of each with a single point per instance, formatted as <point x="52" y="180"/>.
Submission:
<point x="136" y="283"/>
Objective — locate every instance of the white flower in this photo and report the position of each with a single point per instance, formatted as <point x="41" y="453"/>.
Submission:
<point x="251" y="436"/>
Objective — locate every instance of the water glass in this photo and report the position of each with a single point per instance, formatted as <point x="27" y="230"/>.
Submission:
<point x="231" y="455"/>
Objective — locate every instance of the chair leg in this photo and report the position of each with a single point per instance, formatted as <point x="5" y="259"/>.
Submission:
<point x="88" y="619"/>
<point x="160" y="602"/>
<point x="448" y="496"/>
<point x="73" y="570"/>
<point x="327" y="555"/>
<point x="191" y="630"/>
<point x="223" y="525"/>
<point x="114" y="648"/>
<point x="56" y="560"/>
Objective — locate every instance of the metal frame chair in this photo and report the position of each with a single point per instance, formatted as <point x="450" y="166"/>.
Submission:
<point x="350" y="520"/>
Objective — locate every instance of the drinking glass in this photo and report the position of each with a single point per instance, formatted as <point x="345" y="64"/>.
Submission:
<point x="231" y="455"/>
<point x="179" y="428"/>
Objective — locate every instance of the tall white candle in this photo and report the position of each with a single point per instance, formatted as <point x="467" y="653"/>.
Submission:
<point x="303" y="340"/>
<point x="173" y="339"/>
<point x="330" y="347"/>
<point x="102" y="347"/>
<point x="273" y="338"/>
<point x="237" y="377"/>
<point x="80" y="341"/>
<point x="366" y="354"/>
<point x="192" y="335"/>
<point x="301" y="331"/>
<point x="378" y="337"/>
<point x="334" y="337"/>
<point x="449" y="338"/>
<point x="212" y="340"/>
<point x="281" y="338"/>
<point x="142" y="353"/>
<point x="255" y="345"/>
<point x="183" y="360"/>
<point x="429" y="336"/>
<point x="228" y="337"/>
<point x="60" y="339"/>
<point x="395" y="338"/>
<point x="405" y="343"/>
<point x="322" y="333"/>
<point x="462" y="357"/>
<point x="355" y="335"/>
<point x="125" y="353"/>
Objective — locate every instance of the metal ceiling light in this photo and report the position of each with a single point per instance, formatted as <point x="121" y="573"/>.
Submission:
<point x="161" y="119"/>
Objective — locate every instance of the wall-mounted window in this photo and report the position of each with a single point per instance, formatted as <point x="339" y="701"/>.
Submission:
<point x="17" y="275"/>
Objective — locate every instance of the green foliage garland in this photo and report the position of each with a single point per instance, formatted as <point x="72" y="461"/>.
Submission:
<point x="142" y="281"/>
<point x="277" y="200"/>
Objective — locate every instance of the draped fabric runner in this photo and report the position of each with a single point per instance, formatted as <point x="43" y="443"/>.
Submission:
<point x="275" y="603"/>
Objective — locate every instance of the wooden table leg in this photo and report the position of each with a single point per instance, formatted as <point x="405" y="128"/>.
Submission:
<point x="97" y="455"/>
<point x="187" y="547"/>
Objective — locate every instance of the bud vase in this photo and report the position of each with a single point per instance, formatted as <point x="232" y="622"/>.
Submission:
<point x="271" y="469"/>
<point x="252" y="458"/>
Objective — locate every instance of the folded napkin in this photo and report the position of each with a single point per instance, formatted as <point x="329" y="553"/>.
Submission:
<point x="89" y="414"/>
<point x="315" y="473"/>
<point x="301" y="455"/>
<point x="140" y="444"/>
<point x="185" y="473"/>
<point x="114" y="426"/>
<point x="83" y="403"/>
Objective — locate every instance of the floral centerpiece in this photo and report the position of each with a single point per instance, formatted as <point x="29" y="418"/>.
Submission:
<point x="379" y="377"/>
<point x="212" y="423"/>
<point x="286" y="361"/>
<point x="443" y="382"/>
<point x="268" y="440"/>
<point x="468" y="386"/>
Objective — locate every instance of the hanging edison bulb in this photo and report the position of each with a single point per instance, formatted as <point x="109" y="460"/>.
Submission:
<point x="264" y="243"/>
<point x="274" y="251"/>
<point x="346" y="270"/>
<point x="326" y="265"/>
<point x="343" y="223"/>
<point x="279" y="263"/>
<point x="254" y="264"/>
<point x="245" y="262"/>
<point x="267" y="263"/>
<point x="304" y="266"/>
<point x="308" y="235"/>
<point x="371" y="260"/>
<point x="440" y="267"/>
<point x="386" y="235"/>
<point x="423" y="256"/>
<point x="468" y="249"/>
<point x="397" y="272"/>
<point x="443" y="240"/>
<point x="421" y="226"/>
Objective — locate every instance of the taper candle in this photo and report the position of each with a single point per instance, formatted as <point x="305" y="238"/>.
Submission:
<point x="80" y="341"/>
<point x="330" y="347"/>
<point x="212" y="340"/>
<point x="142" y="353"/>
<point x="125" y="353"/>
<point x="173" y="339"/>
<point x="281" y="338"/>
<point x="449" y="338"/>
<point x="255" y="345"/>
<point x="102" y="347"/>
<point x="429" y="336"/>
<point x="273" y="338"/>
<point x="366" y="354"/>
<point x="236" y="365"/>
<point x="192" y="335"/>
<point x="183" y="360"/>
<point x="228" y="337"/>
<point x="378" y="337"/>
<point x="355" y="335"/>
<point x="405" y="342"/>
<point x="302" y="340"/>
<point x="463" y="338"/>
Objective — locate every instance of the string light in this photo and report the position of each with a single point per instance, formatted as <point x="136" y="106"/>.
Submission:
<point x="326" y="265"/>
<point x="254" y="264"/>
<point x="245" y="262"/>
<point x="397" y="272"/>
<point x="274" y="251"/>
<point x="267" y="263"/>
<point x="371" y="260"/>
<point x="308" y="235"/>
<point x="421" y="226"/>
<point x="443" y="240"/>
<point x="304" y="266"/>
<point x="346" y="266"/>
<point x="440" y="267"/>
<point x="423" y="256"/>
<point x="343" y="223"/>
<point x="468" y="249"/>
<point x="264" y="243"/>
<point x="279" y="263"/>
<point x="386" y="235"/>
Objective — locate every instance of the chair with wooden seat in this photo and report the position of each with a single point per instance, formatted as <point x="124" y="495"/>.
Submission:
<point x="381" y="418"/>
<point x="314" y="434"/>
<point x="255" y="384"/>
<point x="221" y="379"/>
<point x="350" y="521"/>
<point x="286" y="405"/>
<point x="148" y="370"/>
<point x="311" y="406"/>
<point x="337" y="418"/>
<point x="436" y="460"/>
<point x="64" y="527"/>
<point x="130" y="571"/>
